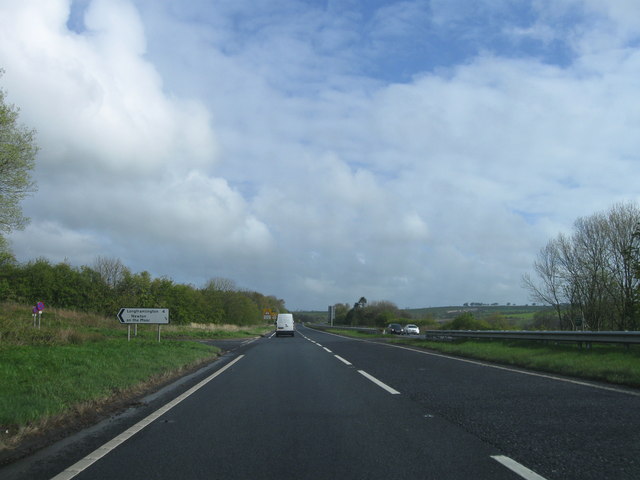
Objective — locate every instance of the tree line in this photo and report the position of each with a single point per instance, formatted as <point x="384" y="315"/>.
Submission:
<point x="591" y="276"/>
<point x="370" y="314"/>
<point x="108" y="285"/>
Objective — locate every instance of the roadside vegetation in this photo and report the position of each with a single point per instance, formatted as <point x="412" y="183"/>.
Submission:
<point x="475" y="316"/>
<point x="591" y="277"/>
<point x="108" y="285"/>
<point x="76" y="365"/>
<point x="612" y="364"/>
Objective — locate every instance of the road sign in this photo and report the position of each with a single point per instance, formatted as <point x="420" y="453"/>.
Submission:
<point x="144" y="315"/>
<point x="268" y="314"/>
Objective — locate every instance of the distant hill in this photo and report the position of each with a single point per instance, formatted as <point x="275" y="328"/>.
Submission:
<point x="523" y="312"/>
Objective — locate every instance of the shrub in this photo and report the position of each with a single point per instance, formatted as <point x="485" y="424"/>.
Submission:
<point x="466" y="321"/>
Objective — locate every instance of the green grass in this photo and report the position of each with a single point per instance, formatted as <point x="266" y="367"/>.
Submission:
<point x="612" y="364"/>
<point x="46" y="380"/>
<point x="78" y="362"/>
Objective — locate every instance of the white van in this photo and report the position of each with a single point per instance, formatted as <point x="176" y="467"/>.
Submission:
<point x="284" y="324"/>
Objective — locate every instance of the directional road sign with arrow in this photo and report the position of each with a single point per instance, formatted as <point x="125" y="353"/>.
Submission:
<point x="144" y="315"/>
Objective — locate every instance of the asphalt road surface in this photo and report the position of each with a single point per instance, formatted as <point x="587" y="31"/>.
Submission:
<point x="320" y="406"/>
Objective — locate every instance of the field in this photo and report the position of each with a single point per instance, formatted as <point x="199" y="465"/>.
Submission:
<point x="517" y="315"/>
<point x="76" y="364"/>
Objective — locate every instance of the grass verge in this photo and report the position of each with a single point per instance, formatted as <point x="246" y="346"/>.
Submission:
<point x="47" y="384"/>
<point x="208" y="331"/>
<point x="78" y="365"/>
<point x="611" y="364"/>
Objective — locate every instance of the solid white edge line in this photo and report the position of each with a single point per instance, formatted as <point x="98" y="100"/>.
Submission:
<point x="522" y="371"/>
<point x="514" y="466"/>
<point x="100" y="452"/>
<point x="379" y="383"/>
<point x="346" y="362"/>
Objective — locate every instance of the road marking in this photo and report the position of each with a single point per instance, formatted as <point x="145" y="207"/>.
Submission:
<point x="327" y="349"/>
<point x="342" y="360"/>
<point x="514" y="466"/>
<point x="516" y="370"/>
<point x="100" y="452"/>
<point x="498" y="367"/>
<point x="379" y="383"/>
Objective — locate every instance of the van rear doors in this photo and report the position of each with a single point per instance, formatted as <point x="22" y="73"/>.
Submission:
<point x="284" y="324"/>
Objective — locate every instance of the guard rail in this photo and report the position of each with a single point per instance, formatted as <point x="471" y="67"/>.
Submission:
<point x="626" y="338"/>
<point x="581" y="337"/>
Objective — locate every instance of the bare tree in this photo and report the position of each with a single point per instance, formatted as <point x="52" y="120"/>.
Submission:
<point x="622" y="222"/>
<point x="590" y="276"/>
<point x="548" y="268"/>
<point x="220" y="284"/>
<point x="589" y="270"/>
<point x="111" y="270"/>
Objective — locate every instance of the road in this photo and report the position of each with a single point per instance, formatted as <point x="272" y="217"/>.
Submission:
<point x="320" y="406"/>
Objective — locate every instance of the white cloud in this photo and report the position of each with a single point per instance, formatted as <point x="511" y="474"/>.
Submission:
<point x="249" y="146"/>
<point x="57" y="243"/>
<point x="95" y="100"/>
<point x="117" y="152"/>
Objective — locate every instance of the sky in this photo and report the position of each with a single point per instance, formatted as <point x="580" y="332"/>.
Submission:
<point x="420" y="152"/>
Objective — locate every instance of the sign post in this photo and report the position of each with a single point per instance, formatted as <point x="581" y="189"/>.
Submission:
<point x="39" y="308"/>
<point x="332" y="314"/>
<point x="137" y="316"/>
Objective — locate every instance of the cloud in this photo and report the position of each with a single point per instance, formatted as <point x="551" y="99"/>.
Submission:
<point x="102" y="105"/>
<point x="285" y="147"/>
<point x="62" y="243"/>
<point x="120" y="157"/>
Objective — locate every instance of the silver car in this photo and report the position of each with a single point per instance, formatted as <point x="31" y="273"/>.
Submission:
<point x="411" y="329"/>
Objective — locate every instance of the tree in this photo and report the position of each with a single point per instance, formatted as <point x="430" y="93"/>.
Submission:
<point x="17" y="159"/>
<point x="111" y="270"/>
<point x="361" y="303"/>
<point x="547" y="266"/>
<point x="221" y="284"/>
<point x="6" y="257"/>
<point x="623" y="220"/>
<point x="342" y="309"/>
<point x="589" y="276"/>
<point x="466" y="321"/>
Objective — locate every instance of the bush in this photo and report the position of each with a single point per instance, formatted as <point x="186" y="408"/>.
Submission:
<point x="466" y="321"/>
